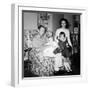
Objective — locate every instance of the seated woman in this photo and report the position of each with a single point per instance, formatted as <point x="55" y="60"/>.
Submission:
<point x="40" y="64"/>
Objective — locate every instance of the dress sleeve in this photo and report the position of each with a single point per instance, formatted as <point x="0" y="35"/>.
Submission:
<point x="68" y="38"/>
<point x="57" y="34"/>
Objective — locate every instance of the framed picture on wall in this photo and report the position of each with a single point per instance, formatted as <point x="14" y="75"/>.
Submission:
<point x="45" y="45"/>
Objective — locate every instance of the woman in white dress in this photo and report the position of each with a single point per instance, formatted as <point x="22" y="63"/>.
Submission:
<point x="64" y="27"/>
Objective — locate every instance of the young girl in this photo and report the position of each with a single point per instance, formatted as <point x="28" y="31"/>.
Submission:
<point x="64" y="27"/>
<point x="65" y="49"/>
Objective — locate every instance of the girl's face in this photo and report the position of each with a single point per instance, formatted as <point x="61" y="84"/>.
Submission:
<point x="42" y="31"/>
<point x="63" y="24"/>
<point x="62" y="38"/>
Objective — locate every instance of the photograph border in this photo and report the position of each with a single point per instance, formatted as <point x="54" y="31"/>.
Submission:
<point x="16" y="50"/>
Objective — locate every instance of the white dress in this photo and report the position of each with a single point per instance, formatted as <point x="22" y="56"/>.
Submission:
<point x="48" y="51"/>
<point x="49" y="48"/>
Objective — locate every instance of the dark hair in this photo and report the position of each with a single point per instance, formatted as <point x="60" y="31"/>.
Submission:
<point x="41" y="26"/>
<point x="62" y="33"/>
<point x="67" y="23"/>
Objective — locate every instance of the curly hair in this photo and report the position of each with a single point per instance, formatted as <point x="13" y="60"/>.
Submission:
<point x="41" y="26"/>
<point x="67" y="23"/>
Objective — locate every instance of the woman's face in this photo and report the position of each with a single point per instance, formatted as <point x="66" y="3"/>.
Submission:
<point x="63" y="24"/>
<point x="42" y="31"/>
